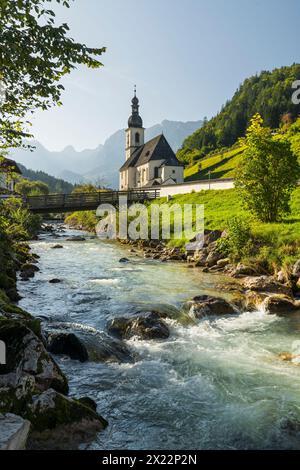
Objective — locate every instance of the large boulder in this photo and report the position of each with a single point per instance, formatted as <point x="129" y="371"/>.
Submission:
<point x="211" y="236"/>
<point x="28" y="270"/>
<point x="145" y="325"/>
<point x="14" y="432"/>
<point x="213" y="257"/>
<point x="15" y="392"/>
<point x="9" y="312"/>
<point x="205" y="305"/>
<point x="241" y="270"/>
<point x="52" y="409"/>
<point x="266" y="284"/>
<point x="27" y="356"/>
<point x="67" y="343"/>
<point x="60" y="422"/>
<point x="98" y="345"/>
<point x="280" y="305"/>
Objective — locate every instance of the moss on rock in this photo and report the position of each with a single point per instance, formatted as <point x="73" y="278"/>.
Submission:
<point x="51" y="410"/>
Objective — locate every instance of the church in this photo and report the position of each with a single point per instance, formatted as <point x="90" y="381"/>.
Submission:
<point x="147" y="164"/>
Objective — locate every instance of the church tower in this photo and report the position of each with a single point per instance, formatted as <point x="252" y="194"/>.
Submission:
<point x="135" y="132"/>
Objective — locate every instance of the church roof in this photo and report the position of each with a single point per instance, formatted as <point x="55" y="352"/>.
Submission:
<point x="156" y="149"/>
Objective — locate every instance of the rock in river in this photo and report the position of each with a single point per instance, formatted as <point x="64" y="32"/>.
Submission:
<point x="205" y="305"/>
<point x="55" y="281"/>
<point x="14" y="432"/>
<point x="100" y="347"/>
<point x="28" y="270"/>
<point x="58" y="420"/>
<point x="68" y="344"/>
<point x="280" y="305"/>
<point x="76" y="238"/>
<point x="147" y="325"/>
<point x="266" y="284"/>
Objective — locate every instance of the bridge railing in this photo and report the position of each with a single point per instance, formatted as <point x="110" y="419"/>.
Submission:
<point x="85" y="201"/>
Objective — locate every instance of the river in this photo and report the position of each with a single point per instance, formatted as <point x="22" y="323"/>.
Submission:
<point x="218" y="384"/>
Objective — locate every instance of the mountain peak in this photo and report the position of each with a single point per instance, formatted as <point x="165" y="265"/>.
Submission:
<point x="102" y="162"/>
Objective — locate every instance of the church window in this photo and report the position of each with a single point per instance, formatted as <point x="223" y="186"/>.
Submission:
<point x="155" y="172"/>
<point x="137" y="138"/>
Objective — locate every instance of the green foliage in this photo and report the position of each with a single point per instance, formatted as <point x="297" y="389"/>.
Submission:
<point x="273" y="244"/>
<point x="35" y="54"/>
<point x="267" y="174"/>
<point x="16" y="222"/>
<point x="238" y="243"/>
<point x="85" y="188"/>
<point x="294" y="137"/>
<point x="31" y="188"/>
<point x="55" y="185"/>
<point x="85" y="220"/>
<point x="268" y="94"/>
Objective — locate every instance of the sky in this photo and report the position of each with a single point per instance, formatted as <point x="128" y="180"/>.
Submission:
<point x="187" y="58"/>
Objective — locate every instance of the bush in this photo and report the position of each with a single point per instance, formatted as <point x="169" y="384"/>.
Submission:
<point x="238" y="243"/>
<point x="17" y="222"/>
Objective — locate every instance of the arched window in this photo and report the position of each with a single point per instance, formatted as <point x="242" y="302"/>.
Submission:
<point x="137" y="138"/>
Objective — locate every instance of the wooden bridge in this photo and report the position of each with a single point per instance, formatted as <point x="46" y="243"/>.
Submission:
<point x="85" y="201"/>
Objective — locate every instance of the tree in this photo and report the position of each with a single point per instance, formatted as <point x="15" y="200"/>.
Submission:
<point x="294" y="137"/>
<point x="31" y="188"/>
<point x="268" y="172"/>
<point x="35" y="55"/>
<point x="269" y="94"/>
<point x="85" y="188"/>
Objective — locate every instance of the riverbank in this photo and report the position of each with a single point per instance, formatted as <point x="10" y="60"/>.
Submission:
<point x="206" y="362"/>
<point x="149" y="323"/>
<point x="35" y="409"/>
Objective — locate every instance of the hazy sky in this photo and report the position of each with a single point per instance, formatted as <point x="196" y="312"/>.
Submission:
<point x="187" y="58"/>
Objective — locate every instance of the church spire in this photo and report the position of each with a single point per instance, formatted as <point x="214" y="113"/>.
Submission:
<point x="135" y="119"/>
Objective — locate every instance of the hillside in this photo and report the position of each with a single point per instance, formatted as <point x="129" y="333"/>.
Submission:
<point x="269" y="94"/>
<point x="102" y="163"/>
<point x="221" y="164"/>
<point x="56" y="185"/>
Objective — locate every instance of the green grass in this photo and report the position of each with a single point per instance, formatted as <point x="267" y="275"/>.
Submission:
<point x="278" y="244"/>
<point x="221" y="165"/>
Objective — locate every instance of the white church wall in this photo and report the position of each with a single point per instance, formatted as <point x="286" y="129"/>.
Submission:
<point x="174" y="172"/>
<point x="195" y="186"/>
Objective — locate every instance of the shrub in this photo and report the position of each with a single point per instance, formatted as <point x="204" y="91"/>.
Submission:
<point x="238" y="243"/>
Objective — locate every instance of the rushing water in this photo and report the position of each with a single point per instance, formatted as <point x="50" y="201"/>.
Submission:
<point x="218" y="384"/>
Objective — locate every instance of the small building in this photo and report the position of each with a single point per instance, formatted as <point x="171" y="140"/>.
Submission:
<point x="149" y="164"/>
<point x="9" y="172"/>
